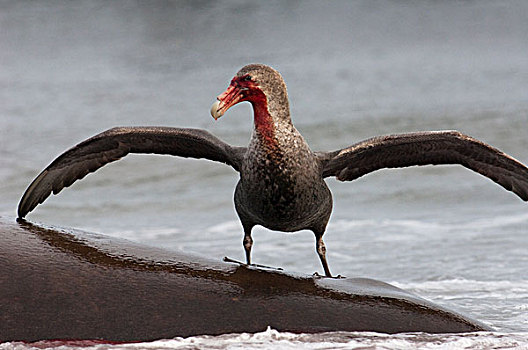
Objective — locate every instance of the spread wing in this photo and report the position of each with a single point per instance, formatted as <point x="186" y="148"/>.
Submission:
<point x="422" y="148"/>
<point x="113" y="144"/>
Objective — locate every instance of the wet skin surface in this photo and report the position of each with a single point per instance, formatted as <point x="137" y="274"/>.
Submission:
<point x="66" y="284"/>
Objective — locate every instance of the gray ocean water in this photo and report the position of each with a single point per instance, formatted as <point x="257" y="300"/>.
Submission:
<point x="357" y="69"/>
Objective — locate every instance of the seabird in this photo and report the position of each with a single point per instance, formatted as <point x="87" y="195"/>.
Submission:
<point x="281" y="184"/>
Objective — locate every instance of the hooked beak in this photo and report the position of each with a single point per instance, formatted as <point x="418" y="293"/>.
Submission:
<point x="226" y="100"/>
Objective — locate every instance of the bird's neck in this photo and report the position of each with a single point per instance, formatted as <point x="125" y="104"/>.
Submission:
<point x="265" y="127"/>
<point x="270" y="122"/>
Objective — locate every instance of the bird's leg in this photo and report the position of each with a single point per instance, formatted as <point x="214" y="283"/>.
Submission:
<point x="248" y="243"/>
<point x="321" y="251"/>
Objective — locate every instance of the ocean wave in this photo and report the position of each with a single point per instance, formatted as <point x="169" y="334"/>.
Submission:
<point x="502" y="304"/>
<point x="426" y="225"/>
<point x="518" y="289"/>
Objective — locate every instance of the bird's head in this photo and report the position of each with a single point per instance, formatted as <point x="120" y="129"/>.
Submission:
<point x="258" y="84"/>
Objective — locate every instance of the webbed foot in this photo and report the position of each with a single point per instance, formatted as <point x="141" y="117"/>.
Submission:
<point x="227" y="259"/>
<point x="317" y="275"/>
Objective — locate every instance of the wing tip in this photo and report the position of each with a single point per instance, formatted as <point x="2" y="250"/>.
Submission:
<point x="28" y="202"/>
<point x="21" y="211"/>
<point x="25" y="206"/>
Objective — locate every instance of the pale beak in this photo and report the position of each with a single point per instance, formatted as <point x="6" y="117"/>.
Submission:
<point x="226" y="100"/>
<point x="215" y="110"/>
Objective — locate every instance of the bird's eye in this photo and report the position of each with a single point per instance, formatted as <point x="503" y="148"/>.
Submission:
<point x="247" y="78"/>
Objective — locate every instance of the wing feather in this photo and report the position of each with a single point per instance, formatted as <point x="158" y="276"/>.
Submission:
<point x="115" y="143"/>
<point x="423" y="148"/>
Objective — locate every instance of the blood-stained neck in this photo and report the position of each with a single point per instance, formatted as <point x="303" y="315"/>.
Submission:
<point x="264" y="124"/>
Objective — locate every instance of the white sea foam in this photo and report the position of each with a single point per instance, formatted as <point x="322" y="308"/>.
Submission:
<point x="272" y="339"/>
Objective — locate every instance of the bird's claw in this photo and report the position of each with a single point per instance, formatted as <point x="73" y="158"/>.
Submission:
<point x="317" y="275"/>
<point x="227" y="259"/>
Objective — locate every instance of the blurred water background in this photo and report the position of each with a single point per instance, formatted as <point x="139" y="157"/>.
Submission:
<point x="356" y="69"/>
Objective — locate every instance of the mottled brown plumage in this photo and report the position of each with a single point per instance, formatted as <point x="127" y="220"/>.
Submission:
<point x="281" y="183"/>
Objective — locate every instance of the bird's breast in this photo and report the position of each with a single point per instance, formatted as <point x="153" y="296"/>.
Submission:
<point x="281" y="191"/>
